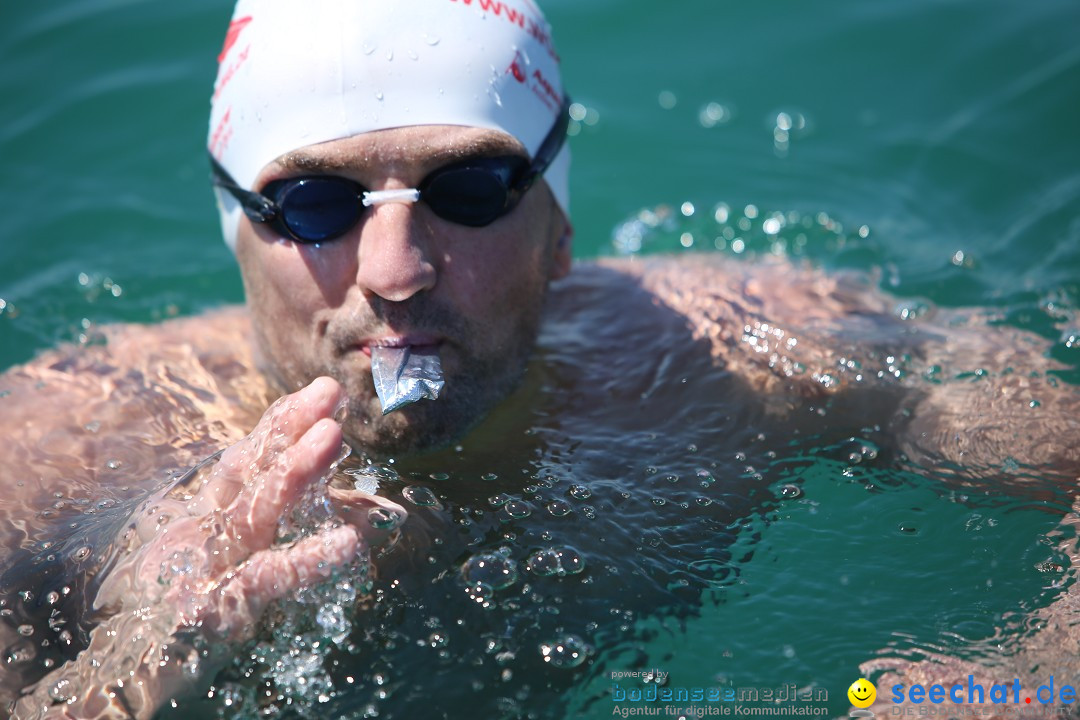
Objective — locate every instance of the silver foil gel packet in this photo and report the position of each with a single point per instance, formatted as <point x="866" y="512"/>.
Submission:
<point x="404" y="375"/>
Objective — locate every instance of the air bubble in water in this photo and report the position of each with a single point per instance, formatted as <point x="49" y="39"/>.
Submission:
<point x="499" y="500"/>
<point x="481" y="593"/>
<point x="566" y="652"/>
<point x="580" y="492"/>
<point x="555" y="561"/>
<point x="559" y="508"/>
<point x="383" y="518"/>
<point x="420" y="495"/>
<point x="517" y="509"/>
<point x="491" y="569"/>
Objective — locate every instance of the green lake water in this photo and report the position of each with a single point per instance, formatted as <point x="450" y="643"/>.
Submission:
<point x="938" y="136"/>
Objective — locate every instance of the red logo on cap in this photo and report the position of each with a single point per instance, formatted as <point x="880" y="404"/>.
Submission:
<point x="515" y="68"/>
<point x="231" y="36"/>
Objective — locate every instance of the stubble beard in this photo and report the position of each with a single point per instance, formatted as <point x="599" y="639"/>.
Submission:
<point x="469" y="395"/>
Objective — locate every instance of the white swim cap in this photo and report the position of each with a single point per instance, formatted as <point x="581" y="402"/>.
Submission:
<point x="293" y="74"/>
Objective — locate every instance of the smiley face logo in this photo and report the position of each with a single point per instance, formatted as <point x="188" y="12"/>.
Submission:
<point x="862" y="693"/>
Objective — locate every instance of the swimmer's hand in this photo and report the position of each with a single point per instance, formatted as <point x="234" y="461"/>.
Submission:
<point x="204" y="568"/>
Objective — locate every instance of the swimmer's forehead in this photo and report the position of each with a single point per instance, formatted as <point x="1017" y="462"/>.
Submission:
<point x="422" y="145"/>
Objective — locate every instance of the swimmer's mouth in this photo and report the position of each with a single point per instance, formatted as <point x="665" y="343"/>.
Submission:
<point x="419" y="342"/>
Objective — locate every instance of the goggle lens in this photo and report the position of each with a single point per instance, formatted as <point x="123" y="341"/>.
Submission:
<point x="470" y="196"/>
<point x="318" y="209"/>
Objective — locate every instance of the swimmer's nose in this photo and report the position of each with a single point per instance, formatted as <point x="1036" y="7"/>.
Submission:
<point x="395" y="252"/>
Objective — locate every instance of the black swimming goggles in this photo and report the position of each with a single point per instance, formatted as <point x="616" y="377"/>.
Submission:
<point x="473" y="192"/>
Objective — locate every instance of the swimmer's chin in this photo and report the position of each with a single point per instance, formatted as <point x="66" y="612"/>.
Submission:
<point x="415" y="429"/>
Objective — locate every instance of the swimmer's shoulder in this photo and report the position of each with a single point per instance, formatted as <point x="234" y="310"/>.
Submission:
<point x="218" y="339"/>
<point x="129" y="375"/>
<point x="781" y="325"/>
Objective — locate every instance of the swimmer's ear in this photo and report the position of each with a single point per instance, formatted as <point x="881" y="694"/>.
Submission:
<point x="562" y="253"/>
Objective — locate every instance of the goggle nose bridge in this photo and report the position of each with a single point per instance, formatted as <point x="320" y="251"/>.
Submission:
<point x="378" y="197"/>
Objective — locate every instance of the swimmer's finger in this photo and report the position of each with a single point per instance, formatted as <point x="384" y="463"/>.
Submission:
<point x="373" y="517"/>
<point x="270" y="495"/>
<point x="282" y="425"/>
<point x="271" y="574"/>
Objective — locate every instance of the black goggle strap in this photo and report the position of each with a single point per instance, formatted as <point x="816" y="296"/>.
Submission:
<point x="549" y="148"/>
<point x="257" y="207"/>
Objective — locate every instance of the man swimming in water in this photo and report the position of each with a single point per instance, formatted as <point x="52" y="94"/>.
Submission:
<point x="397" y="179"/>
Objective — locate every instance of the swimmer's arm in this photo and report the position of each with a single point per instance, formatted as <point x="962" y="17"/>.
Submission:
<point x="952" y="390"/>
<point x="988" y="399"/>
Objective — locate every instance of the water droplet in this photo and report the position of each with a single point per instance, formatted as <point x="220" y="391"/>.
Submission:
<point x="566" y="652"/>
<point x="389" y="55"/>
<point x="20" y="652"/>
<point x="580" y="492"/>
<point x="431" y="39"/>
<point x="489" y="477"/>
<point x="82" y="553"/>
<point x="713" y="114"/>
<point x="499" y="500"/>
<point x="517" y="509"/>
<point x="378" y="95"/>
<point x="26" y="630"/>
<point x="384" y="519"/>
<point x="559" y="508"/>
<point x="52" y="597"/>
<point x="555" y="561"/>
<point x="667" y="99"/>
<point x="368" y="47"/>
<point x="331" y="618"/>
<point x="370" y="478"/>
<point x="790" y="491"/>
<point x="420" y="495"/>
<point x="491" y="569"/>
<point x="62" y="691"/>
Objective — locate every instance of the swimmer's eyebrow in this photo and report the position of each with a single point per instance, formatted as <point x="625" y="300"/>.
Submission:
<point x="486" y="146"/>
